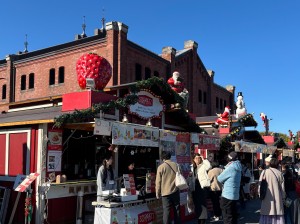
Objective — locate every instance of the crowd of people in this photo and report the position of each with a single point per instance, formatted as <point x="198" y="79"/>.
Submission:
<point x="228" y="188"/>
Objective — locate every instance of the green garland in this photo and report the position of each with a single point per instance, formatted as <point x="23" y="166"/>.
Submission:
<point x="155" y="84"/>
<point x="90" y="114"/>
<point x="247" y="120"/>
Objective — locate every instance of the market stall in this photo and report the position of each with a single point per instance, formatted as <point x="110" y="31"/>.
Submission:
<point x="256" y="152"/>
<point x="144" y="208"/>
<point x="206" y="145"/>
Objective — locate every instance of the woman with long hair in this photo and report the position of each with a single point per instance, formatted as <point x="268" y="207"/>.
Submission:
<point x="105" y="176"/>
<point x="199" y="169"/>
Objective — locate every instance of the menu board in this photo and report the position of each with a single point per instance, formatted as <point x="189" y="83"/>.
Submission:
<point x="55" y="139"/>
<point x="129" y="184"/>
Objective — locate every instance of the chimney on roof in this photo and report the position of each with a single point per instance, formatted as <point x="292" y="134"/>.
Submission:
<point x="190" y="44"/>
<point x="211" y="73"/>
<point x="168" y="53"/>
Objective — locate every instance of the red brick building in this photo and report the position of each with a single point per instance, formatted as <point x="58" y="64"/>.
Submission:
<point x="32" y="85"/>
<point x="42" y="76"/>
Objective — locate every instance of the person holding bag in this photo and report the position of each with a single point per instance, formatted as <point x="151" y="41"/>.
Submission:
<point x="199" y="170"/>
<point x="166" y="188"/>
<point x="272" y="206"/>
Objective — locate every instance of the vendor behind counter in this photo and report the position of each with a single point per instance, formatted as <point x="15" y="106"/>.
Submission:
<point x="138" y="161"/>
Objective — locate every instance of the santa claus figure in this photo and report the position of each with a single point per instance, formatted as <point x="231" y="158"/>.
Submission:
<point x="263" y="118"/>
<point x="176" y="83"/>
<point x="222" y="118"/>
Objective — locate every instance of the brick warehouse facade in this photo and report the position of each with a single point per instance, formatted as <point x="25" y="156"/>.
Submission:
<point x="49" y="73"/>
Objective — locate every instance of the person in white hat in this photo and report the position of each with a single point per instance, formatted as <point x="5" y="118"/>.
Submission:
<point x="222" y="118"/>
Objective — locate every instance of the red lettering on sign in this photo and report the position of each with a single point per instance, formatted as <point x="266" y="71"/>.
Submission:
<point x="145" y="100"/>
<point x="146" y="217"/>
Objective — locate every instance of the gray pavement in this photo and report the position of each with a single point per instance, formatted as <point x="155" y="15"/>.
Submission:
<point x="248" y="215"/>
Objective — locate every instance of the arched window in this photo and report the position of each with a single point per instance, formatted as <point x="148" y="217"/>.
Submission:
<point x="61" y="74"/>
<point x="138" y="72"/>
<point x="217" y="102"/>
<point x="200" y="96"/>
<point x="52" y="76"/>
<point x="221" y="103"/>
<point x="4" y="92"/>
<point x="23" y="82"/>
<point x="147" y="73"/>
<point x="31" y="80"/>
<point x="156" y="73"/>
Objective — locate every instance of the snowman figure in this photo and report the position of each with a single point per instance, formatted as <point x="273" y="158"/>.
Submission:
<point x="241" y="109"/>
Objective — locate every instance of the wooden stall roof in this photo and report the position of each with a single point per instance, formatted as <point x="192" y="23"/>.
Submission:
<point x="34" y="116"/>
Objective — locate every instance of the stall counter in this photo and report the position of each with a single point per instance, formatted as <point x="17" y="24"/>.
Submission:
<point x="138" y="211"/>
<point x="71" y="188"/>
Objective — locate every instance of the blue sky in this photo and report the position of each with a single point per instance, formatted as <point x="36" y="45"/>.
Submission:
<point x="253" y="45"/>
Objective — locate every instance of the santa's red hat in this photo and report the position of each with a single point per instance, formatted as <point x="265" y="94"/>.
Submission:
<point x="228" y="107"/>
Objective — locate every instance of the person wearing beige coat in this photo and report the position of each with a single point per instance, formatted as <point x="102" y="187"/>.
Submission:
<point x="166" y="189"/>
<point x="272" y="207"/>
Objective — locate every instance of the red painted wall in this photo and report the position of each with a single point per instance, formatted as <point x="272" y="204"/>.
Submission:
<point x="2" y="153"/>
<point x="17" y="154"/>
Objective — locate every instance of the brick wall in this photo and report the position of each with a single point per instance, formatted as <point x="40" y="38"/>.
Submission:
<point x="123" y="55"/>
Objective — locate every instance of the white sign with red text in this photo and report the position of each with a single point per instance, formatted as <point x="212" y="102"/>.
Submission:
<point x="148" y="106"/>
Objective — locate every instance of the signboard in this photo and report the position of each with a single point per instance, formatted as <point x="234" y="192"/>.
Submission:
<point x="26" y="182"/>
<point x="54" y="160"/>
<point x="241" y="146"/>
<point x="129" y="184"/>
<point x="148" y="106"/>
<point x="129" y="134"/>
<point x="102" y="127"/>
<point x="178" y="144"/>
<point x="55" y="139"/>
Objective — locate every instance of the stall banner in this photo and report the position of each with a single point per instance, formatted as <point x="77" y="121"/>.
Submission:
<point x="168" y="142"/>
<point x="102" y="127"/>
<point x="241" y="146"/>
<point x="209" y="142"/>
<point x="55" y="139"/>
<point x="150" y="182"/>
<point x="183" y="152"/>
<point x="289" y="153"/>
<point x="129" y="184"/>
<point x="165" y="135"/>
<point x="130" y="134"/>
<point x="195" y="138"/>
<point x="148" y="106"/>
<point x="139" y="213"/>
<point x="54" y="160"/>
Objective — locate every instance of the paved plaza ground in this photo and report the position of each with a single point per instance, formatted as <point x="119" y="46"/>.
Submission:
<point x="249" y="215"/>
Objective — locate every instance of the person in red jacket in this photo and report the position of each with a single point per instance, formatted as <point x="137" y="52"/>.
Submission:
<point x="222" y="118"/>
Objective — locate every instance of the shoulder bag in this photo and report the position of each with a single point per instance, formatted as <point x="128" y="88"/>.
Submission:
<point x="263" y="187"/>
<point x="180" y="181"/>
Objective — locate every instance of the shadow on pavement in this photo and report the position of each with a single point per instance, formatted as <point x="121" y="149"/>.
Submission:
<point x="247" y="215"/>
